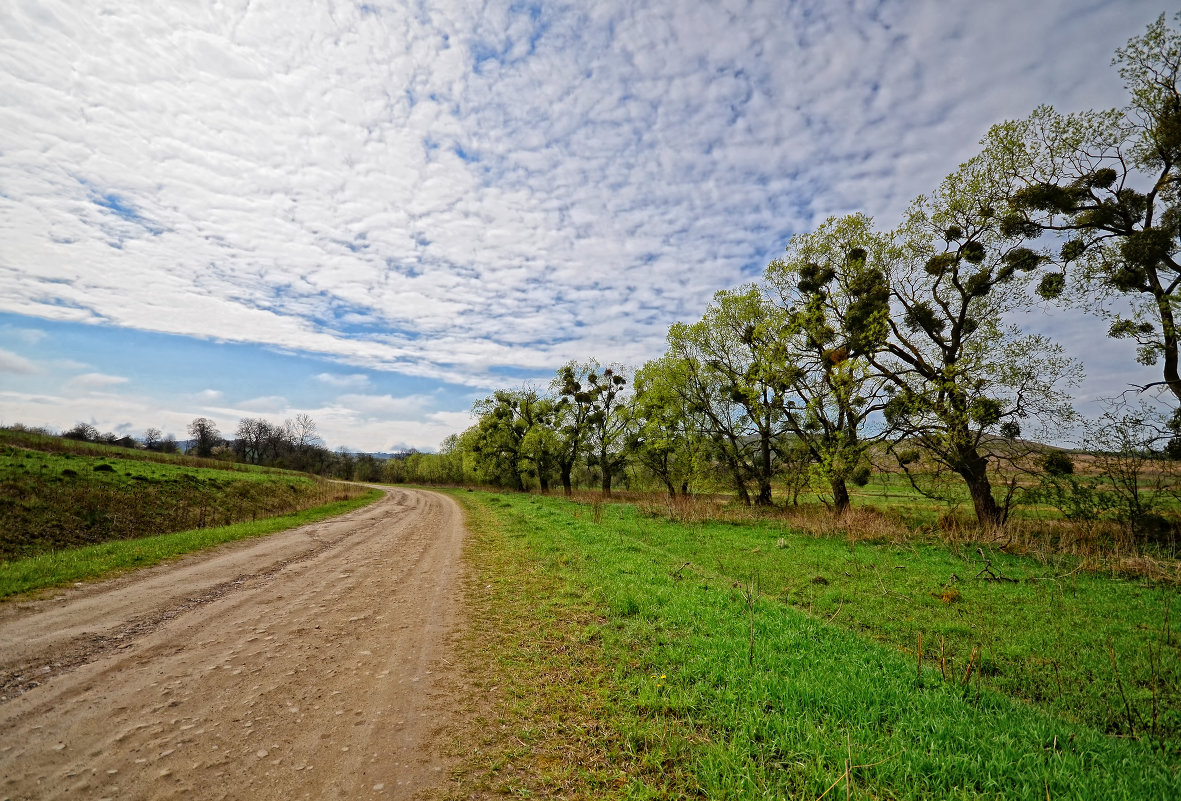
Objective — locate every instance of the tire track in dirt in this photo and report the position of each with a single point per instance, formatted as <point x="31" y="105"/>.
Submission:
<point x="306" y="665"/>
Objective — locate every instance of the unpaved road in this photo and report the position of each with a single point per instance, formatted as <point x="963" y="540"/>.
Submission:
<point x="306" y="664"/>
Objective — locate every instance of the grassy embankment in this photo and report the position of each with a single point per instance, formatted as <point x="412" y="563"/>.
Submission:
<point x="640" y="657"/>
<point x="75" y="511"/>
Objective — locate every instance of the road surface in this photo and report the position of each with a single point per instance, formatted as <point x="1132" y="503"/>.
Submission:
<point x="307" y="664"/>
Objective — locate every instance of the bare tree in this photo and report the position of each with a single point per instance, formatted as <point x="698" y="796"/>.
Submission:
<point x="205" y="436"/>
<point x="152" y="438"/>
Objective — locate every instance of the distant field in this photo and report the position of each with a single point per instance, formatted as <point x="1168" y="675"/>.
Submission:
<point x="80" y="494"/>
<point x="639" y="657"/>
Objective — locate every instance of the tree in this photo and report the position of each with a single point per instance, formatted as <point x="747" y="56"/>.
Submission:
<point x="833" y="288"/>
<point x="571" y="418"/>
<point x="962" y="382"/>
<point x="1106" y="183"/>
<point x="152" y="438"/>
<point x="607" y="422"/>
<point x="666" y="430"/>
<point x="83" y="432"/>
<point x="539" y="445"/>
<point x="733" y="365"/>
<point x="254" y="439"/>
<point x="504" y="441"/>
<point x="205" y="436"/>
<point x="303" y="438"/>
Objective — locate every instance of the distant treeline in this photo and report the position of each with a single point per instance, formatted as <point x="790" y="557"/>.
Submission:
<point x="290" y="445"/>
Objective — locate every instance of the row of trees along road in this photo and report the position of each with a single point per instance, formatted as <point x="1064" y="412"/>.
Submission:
<point x="905" y="340"/>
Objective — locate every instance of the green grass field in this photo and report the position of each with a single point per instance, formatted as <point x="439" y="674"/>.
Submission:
<point x="637" y="657"/>
<point x="77" y="495"/>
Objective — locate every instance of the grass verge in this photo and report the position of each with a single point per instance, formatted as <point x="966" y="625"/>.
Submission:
<point x="99" y="561"/>
<point x="609" y="667"/>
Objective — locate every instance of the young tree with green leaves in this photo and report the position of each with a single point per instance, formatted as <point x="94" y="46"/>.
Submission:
<point x="733" y="363"/>
<point x="666" y="432"/>
<point x="832" y="287"/>
<point x="498" y="440"/>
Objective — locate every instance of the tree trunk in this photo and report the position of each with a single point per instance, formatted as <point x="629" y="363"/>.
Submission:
<point x="974" y="470"/>
<point x="1170" y="345"/>
<point x="840" y="496"/>
<point x="740" y="485"/>
<point x="567" y="489"/>
<point x="764" y="498"/>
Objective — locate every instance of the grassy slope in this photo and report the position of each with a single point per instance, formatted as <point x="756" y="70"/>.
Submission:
<point x="105" y="559"/>
<point x="58" y="499"/>
<point x="617" y="670"/>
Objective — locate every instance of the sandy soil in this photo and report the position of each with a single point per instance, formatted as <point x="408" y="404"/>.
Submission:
<point x="309" y="664"/>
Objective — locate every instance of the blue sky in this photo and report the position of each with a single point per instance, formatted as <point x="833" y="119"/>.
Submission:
<point x="377" y="212"/>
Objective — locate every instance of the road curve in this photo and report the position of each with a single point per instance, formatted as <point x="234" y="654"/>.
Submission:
<point x="307" y="664"/>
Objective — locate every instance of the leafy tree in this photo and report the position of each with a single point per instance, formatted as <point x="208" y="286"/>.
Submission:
<point x="514" y="438"/>
<point x="607" y="423"/>
<point x="571" y="425"/>
<point x="1106" y="183"/>
<point x="733" y="365"/>
<point x="495" y="441"/>
<point x="962" y="382"/>
<point x="666" y="432"/>
<point x="205" y="436"/>
<point x="539" y="445"/>
<point x="834" y="291"/>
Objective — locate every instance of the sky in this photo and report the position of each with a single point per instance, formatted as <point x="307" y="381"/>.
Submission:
<point x="375" y="213"/>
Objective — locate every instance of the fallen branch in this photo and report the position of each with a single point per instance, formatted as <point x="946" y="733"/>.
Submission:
<point x="834" y="614"/>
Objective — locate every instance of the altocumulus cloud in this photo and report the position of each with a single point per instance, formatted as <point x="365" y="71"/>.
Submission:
<point x="472" y="191"/>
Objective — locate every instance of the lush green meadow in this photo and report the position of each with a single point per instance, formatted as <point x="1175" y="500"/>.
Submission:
<point x="80" y="494"/>
<point x="637" y="656"/>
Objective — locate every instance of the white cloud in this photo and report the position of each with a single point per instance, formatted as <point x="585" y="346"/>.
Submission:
<point x="209" y="395"/>
<point x="473" y="196"/>
<point x="266" y="405"/>
<point x="15" y="363"/>
<point x="341" y="381"/>
<point x="27" y="336"/>
<point x="95" y="382"/>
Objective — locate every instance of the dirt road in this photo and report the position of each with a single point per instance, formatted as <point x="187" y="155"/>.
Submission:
<point x="307" y="664"/>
